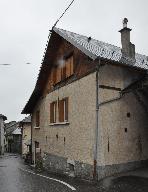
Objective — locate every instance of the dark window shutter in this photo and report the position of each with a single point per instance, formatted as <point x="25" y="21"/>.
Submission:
<point x="58" y="74"/>
<point x="54" y="109"/>
<point x="51" y="112"/>
<point x="63" y="72"/>
<point x="54" y="73"/>
<point x="69" y="66"/>
<point x="61" y="110"/>
<point x="66" y="108"/>
<point x="37" y="118"/>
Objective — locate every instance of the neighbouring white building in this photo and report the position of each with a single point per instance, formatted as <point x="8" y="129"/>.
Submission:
<point x="2" y="119"/>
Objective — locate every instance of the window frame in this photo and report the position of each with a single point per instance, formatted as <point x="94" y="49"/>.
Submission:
<point x="59" y="112"/>
<point x="53" y="112"/>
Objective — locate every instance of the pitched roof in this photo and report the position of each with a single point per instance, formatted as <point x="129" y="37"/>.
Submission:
<point x="17" y="131"/>
<point x="94" y="48"/>
<point x="10" y="127"/>
<point x="26" y="120"/>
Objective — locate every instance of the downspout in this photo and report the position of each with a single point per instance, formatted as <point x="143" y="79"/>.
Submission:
<point x="31" y="141"/>
<point x="97" y="121"/>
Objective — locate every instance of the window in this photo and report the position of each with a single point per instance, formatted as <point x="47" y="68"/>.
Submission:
<point x="37" y="118"/>
<point x="65" y="71"/>
<point x="53" y="108"/>
<point x="63" y="110"/>
<point x="36" y="144"/>
<point x="128" y="114"/>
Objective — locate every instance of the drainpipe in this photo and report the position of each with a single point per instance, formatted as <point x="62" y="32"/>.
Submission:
<point x="97" y="121"/>
<point x="31" y="140"/>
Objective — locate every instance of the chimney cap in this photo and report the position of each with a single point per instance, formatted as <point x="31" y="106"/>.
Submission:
<point x="125" y="21"/>
<point x="89" y="39"/>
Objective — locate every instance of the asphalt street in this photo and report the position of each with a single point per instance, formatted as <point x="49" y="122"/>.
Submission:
<point x="15" y="176"/>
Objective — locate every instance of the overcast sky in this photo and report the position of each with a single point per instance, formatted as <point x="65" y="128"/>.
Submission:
<point x="24" y="28"/>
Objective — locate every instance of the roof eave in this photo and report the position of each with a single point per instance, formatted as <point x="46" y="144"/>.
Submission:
<point x="121" y="64"/>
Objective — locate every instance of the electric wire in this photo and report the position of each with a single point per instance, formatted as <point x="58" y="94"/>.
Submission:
<point x="63" y="13"/>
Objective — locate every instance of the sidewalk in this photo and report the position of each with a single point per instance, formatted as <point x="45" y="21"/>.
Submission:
<point x="131" y="181"/>
<point x="136" y="180"/>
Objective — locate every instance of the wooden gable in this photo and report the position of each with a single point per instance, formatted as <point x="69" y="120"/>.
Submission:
<point x="62" y="62"/>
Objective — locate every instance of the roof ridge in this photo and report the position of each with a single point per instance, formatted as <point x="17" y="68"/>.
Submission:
<point x="96" y="48"/>
<point x="87" y="37"/>
<point x="97" y="40"/>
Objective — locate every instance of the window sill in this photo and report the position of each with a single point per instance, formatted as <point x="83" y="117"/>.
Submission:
<point x="36" y="127"/>
<point x="59" y="123"/>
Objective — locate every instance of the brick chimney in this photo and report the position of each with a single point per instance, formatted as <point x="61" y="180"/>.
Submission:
<point x="128" y="49"/>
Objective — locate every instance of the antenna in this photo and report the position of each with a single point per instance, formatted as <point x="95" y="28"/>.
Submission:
<point x="63" y="13"/>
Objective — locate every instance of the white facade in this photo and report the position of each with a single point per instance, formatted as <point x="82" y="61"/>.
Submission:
<point x="2" y="118"/>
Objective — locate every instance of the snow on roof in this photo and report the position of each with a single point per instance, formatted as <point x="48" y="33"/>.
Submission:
<point x="17" y="132"/>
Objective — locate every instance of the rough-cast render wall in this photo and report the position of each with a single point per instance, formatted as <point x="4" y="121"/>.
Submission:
<point x="26" y="136"/>
<point x="117" y="145"/>
<point x="79" y="134"/>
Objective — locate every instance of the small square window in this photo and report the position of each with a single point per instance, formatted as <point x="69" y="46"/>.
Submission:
<point x="128" y="114"/>
<point x="125" y="129"/>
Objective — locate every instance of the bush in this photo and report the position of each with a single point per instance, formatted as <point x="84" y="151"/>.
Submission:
<point x="39" y="164"/>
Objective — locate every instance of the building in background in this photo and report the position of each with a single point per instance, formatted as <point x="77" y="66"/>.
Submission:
<point x="25" y="125"/>
<point x="89" y="106"/>
<point x="2" y="137"/>
<point x="13" y="137"/>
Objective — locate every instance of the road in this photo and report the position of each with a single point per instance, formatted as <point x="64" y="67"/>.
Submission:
<point x="17" y="177"/>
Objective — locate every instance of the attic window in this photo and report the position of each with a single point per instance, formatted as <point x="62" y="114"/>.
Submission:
<point x="67" y="69"/>
<point x="63" y="71"/>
